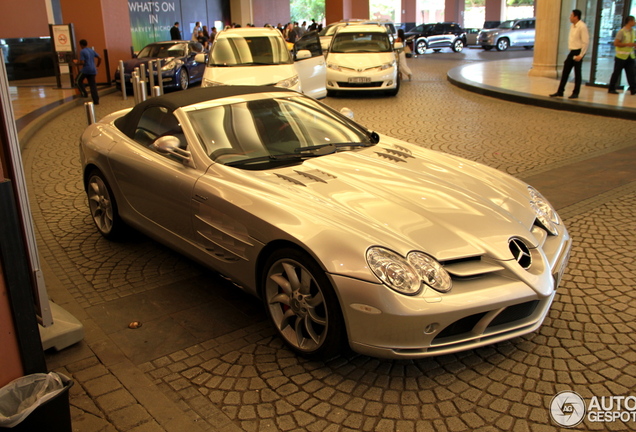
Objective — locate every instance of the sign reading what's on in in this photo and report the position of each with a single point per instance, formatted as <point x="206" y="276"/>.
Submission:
<point x="151" y="21"/>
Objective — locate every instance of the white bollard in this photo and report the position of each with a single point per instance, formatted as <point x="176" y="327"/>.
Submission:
<point x="89" y="108"/>
<point x="122" y="79"/>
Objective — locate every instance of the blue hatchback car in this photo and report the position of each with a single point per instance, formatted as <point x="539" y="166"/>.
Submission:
<point x="178" y="66"/>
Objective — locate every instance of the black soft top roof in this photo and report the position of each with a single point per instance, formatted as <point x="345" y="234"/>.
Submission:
<point x="171" y="101"/>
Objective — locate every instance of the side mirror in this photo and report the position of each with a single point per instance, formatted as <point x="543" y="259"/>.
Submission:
<point x="200" y="58"/>
<point x="169" y="144"/>
<point x="347" y="112"/>
<point x="398" y="46"/>
<point x="303" y="54"/>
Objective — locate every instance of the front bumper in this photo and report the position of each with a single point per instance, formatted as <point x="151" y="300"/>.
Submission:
<point x="169" y="80"/>
<point x="478" y="311"/>
<point x="486" y="40"/>
<point x="362" y="80"/>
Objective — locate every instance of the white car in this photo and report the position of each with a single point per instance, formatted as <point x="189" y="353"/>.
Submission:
<point x="259" y="56"/>
<point x="362" y="57"/>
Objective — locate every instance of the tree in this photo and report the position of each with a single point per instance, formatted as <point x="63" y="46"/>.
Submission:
<point x="306" y="10"/>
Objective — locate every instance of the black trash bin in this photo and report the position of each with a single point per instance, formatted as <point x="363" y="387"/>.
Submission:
<point x="53" y="415"/>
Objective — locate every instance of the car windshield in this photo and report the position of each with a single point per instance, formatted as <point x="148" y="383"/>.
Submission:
<point x="330" y="29"/>
<point x="163" y="51"/>
<point x="361" y="43"/>
<point x="257" y="134"/>
<point x="507" y="24"/>
<point x="239" y="50"/>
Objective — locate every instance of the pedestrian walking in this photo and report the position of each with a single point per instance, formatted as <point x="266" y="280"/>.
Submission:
<point x="624" y="57"/>
<point x="88" y="70"/>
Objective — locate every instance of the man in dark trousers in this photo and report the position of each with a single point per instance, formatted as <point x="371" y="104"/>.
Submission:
<point x="578" y="41"/>
<point x="625" y="55"/>
<point x="88" y="70"/>
<point x="175" y="33"/>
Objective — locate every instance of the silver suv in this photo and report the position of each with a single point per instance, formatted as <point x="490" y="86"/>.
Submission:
<point x="519" y="32"/>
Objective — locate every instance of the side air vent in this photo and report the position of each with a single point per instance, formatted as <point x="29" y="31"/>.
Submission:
<point x="306" y="177"/>
<point x="387" y="155"/>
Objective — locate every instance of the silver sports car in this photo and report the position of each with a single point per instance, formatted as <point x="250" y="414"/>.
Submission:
<point x="349" y="237"/>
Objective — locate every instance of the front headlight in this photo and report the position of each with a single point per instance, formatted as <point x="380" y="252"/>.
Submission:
<point x="430" y="271"/>
<point x="333" y="66"/>
<point x="393" y="270"/>
<point x="387" y="65"/>
<point x="406" y="275"/>
<point x="288" y="83"/>
<point x="545" y="213"/>
<point x="171" y="65"/>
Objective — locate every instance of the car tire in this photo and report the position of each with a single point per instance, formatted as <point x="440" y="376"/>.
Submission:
<point x="302" y="304"/>
<point x="487" y="47"/>
<point x="103" y="206"/>
<point x="420" y="47"/>
<point x="458" y="45"/>
<point x="503" y="44"/>
<point x="184" y="80"/>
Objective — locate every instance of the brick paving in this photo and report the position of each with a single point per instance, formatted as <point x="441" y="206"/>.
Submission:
<point x="245" y="380"/>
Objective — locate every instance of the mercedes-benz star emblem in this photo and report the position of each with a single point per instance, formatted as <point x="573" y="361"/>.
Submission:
<point x="521" y="253"/>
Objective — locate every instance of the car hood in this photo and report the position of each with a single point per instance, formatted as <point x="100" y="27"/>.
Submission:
<point x="493" y="31"/>
<point x="398" y="196"/>
<point x="360" y="60"/>
<point x="250" y="75"/>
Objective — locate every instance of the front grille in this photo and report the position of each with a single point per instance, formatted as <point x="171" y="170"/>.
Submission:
<point x="461" y="326"/>
<point x="515" y="313"/>
<point x="466" y="328"/>
<point x="360" y="85"/>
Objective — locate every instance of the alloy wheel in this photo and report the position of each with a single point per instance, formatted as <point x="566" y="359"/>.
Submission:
<point x="296" y="304"/>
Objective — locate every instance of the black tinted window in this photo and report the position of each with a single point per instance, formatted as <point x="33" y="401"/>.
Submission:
<point x="311" y="42"/>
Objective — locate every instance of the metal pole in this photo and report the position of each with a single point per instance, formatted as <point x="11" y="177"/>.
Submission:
<point x="151" y="74"/>
<point x="122" y="79"/>
<point x="107" y="64"/>
<point x="90" y="112"/>
<point x="156" y="91"/>
<point x="143" y="93"/>
<point x="142" y="74"/>
<point x="136" y="86"/>
<point x="134" y="80"/>
<point x="160" y="75"/>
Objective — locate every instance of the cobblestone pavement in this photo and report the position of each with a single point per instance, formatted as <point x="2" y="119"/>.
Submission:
<point x="235" y="375"/>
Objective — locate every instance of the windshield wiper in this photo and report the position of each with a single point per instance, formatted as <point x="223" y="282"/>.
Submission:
<point x="302" y="153"/>
<point x="324" y="149"/>
<point x="259" y="64"/>
<point x="272" y="158"/>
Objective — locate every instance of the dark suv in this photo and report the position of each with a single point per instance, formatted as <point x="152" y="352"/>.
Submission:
<point x="436" y="36"/>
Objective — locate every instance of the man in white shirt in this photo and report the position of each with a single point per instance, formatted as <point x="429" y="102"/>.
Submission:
<point x="578" y="41"/>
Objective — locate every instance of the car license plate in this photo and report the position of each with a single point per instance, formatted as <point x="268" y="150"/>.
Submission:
<point x="359" y="80"/>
